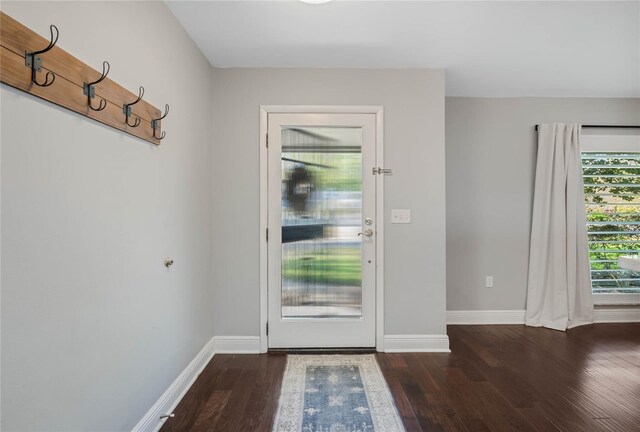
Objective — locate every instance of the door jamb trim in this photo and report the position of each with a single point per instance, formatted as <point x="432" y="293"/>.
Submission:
<point x="265" y="110"/>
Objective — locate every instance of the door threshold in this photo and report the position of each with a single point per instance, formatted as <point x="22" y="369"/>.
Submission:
<point x="281" y="351"/>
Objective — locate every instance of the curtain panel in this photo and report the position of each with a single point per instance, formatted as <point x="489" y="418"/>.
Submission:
<point x="559" y="292"/>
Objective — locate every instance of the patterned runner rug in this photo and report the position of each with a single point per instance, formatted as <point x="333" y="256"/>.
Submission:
<point x="335" y="393"/>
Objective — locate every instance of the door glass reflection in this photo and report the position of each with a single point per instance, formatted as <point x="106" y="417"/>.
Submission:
<point x="321" y="219"/>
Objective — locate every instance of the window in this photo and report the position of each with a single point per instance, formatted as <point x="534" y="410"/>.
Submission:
<point x="611" y="172"/>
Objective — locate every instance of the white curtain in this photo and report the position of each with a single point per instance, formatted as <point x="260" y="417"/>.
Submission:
<point x="559" y="284"/>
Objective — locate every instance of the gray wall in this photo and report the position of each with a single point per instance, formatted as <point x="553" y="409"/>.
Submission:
<point x="413" y="101"/>
<point x="94" y="328"/>
<point x="490" y="159"/>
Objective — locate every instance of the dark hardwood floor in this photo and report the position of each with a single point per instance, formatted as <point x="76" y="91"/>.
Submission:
<point x="497" y="378"/>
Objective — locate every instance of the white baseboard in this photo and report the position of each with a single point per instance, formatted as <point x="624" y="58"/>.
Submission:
<point x="416" y="343"/>
<point x="485" y="317"/>
<point x="171" y="397"/>
<point x="237" y="344"/>
<point x="616" y="315"/>
<point x="600" y="315"/>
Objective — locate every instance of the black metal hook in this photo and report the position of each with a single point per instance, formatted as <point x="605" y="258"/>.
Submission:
<point x="127" y="109"/>
<point x="33" y="60"/>
<point x="155" y="125"/>
<point x="90" y="90"/>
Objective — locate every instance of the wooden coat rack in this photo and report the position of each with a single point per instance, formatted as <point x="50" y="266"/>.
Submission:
<point x="37" y="66"/>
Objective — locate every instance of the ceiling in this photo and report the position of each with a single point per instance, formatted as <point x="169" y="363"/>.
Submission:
<point x="501" y="49"/>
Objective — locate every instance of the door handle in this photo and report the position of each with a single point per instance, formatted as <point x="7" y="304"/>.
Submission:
<point x="368" y="232"/>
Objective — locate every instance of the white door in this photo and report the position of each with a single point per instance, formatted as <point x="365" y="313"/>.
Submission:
<point x="321" y="230"/>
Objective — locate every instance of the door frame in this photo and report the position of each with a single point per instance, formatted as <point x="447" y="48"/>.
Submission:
<point x="265" y="110"/>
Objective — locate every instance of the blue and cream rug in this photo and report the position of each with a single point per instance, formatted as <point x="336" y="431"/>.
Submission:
<point x="335" y="393"/>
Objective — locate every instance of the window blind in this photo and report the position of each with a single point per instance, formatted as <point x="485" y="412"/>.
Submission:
<point x="612" y="199"/>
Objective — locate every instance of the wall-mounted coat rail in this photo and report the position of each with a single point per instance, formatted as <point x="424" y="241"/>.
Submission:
<point x="27" y="57"/>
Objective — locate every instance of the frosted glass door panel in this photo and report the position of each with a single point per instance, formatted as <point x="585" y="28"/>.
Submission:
<point x="321" y="221"/>
<point x="321" y="197"/>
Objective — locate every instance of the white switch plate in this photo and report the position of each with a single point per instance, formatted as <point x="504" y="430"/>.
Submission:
<point x="400" y="216"/>
<point x="489" y="281"/>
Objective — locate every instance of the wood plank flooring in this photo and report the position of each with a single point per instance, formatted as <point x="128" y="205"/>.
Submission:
<point x="497" y="378"/>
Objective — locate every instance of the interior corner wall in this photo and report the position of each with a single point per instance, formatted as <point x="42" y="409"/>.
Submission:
<point x="491" y="156"/>
<point x="94" y="327"/>
<point x="413" y="102"/>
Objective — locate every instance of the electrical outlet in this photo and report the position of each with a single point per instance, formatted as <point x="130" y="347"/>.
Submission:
<point x="489" y="282"/>
<point x="400" y="216"/>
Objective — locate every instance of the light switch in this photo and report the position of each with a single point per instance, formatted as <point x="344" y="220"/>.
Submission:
<point x="400" y="216"/>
